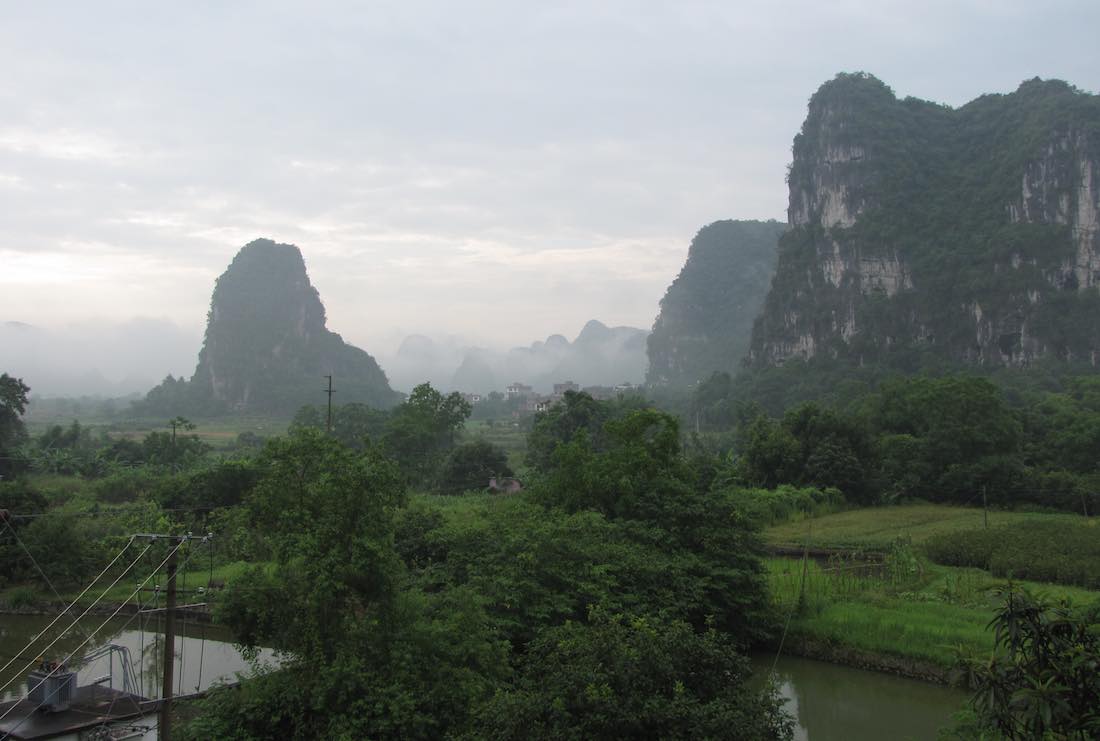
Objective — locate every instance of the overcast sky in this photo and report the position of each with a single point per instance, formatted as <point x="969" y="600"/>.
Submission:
<point x="495" y="170"/>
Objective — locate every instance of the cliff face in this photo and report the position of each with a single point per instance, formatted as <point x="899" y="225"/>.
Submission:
<point x="267" y="348"/>
<point x="919" y="231"/>
<point x="706" y="315"/>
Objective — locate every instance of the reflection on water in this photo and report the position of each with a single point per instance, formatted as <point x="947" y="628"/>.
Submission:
<point x="205" y="654"/>
<point x="839" y="703"/>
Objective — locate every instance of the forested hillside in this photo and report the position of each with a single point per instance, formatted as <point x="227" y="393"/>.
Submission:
<point x="922" y="234"/>
<point x="706" y="316"/>
<point x="267" y="348"/>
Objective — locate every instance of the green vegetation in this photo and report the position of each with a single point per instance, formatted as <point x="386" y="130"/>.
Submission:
<point x="619" y="590"/>
<point x="1042" y="680"/>
<point x="1058" y="552"/>
<point x="876" y="528"/>
<point x="582" y="610"/>
<point x="958" y="438"/>
<point x="706" y="315"/>
<point x="13" y="402"/>
<point x="876" y="601"/>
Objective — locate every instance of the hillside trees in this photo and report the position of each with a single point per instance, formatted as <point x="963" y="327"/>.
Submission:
<point x="13" y="403"/>
<point x="810" y="446"/>
<point x="706" y="315"/>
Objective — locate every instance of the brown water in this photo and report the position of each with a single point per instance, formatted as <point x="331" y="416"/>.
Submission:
<point x="838" y="703"/>
<point x="205" y="654"/>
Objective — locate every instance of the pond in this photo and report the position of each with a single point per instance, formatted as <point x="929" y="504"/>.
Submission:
<point x="205" y="654"/>
<point x="839" y="703"/>
<point x="829" y="702"/>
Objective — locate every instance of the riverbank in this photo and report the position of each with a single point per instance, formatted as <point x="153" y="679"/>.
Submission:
<point x="129" y="609"/>
<point x="866" y="596"/>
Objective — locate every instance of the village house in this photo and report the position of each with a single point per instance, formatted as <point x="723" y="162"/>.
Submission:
<point x="519" y="390"/>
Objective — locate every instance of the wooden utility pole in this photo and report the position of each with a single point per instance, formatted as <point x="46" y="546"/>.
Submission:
<point x="165" y="725"/>
<point x="985" y="508"/>
<point x="330" y="391"/>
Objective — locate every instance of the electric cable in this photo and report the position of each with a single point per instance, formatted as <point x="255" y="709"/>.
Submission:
<point x="37" y="567"/>
<point x="54" y="621"/>
<point x="86" y="611"/>
<point x="101" y="626"/>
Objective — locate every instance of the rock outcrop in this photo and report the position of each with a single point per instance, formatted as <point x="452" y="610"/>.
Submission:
<point x="267" y="349"/>
<point x="921" y="232"/>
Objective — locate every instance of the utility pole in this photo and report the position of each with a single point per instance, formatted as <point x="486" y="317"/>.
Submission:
<point x="164" y="727"/>
<point x="985" y="508"/>
<point x="330" y="391"/>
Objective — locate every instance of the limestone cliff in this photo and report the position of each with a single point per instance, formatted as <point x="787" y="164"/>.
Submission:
<point x="706" y="315"/>
<point x="267" y="348"/>
<point x="923" y="232"/>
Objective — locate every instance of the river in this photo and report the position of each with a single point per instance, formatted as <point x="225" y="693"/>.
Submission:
<point x="838" y="703"/>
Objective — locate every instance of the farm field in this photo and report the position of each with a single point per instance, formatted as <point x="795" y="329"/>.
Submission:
<point x="877" y="528"/>
<point x="903" y="612"/>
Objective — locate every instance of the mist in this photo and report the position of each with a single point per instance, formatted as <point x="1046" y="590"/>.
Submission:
<point x="96" y="358"/>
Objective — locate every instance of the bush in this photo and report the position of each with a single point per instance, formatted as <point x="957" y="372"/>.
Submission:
<point x="470" y="466"/>
<point x="764" y="507"/>
<point x="126" y="485"/>
<point x="19" y="597"/>
<point x="1058" y="552"/>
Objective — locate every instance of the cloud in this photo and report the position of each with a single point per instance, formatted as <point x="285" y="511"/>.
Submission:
<point x="492" y="169"/>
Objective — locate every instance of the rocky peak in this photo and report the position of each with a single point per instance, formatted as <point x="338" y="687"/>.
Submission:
<point x="971" y="234"/>
<point x="267" y="348"/>
<point x="1062" y="186"/>
<point x="831" y="157"/>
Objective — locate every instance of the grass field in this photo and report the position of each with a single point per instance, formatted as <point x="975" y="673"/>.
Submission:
<point x="920" y="618"/>
<point x="906" y="608"/>
<point x="878" y="527"/>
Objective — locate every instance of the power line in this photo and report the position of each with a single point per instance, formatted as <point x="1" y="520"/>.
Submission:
<point x="86" y="611"/>
<point x="36" y="566"/>
<point x="54" y="621"/>
<point x="30" y="691"/>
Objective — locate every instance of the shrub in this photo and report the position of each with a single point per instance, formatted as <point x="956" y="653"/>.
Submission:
<point x="764" y="507"/>
<point x="126" y="485"/>
<point x="19" y="597"/>
<point x="1059" y="552"/>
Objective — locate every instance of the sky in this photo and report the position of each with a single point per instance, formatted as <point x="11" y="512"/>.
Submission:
<point x="491" y="171"/>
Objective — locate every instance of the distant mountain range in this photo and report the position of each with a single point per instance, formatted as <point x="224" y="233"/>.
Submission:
<point x="599" y="355"/>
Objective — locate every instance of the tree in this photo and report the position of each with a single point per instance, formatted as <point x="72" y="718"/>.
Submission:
<point x="423" y="428"/>
<point x="326" y="512"/>
<point x="357" y="424"/>
<point x="577" y="411"/>
<point x="641" y="677"/>
<point x="174" y="449"/>
<point x="1043" y="680"/>
<point x="363" y="657"/>
<point x="13" y="404"/>
<point x="469" y="466"/>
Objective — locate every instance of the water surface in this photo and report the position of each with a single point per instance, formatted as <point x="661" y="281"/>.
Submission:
<point x="839" y="703"/>
<point x="204" y="654"/>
